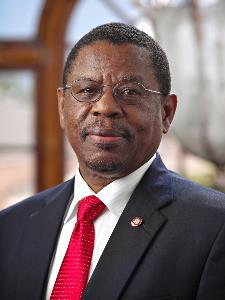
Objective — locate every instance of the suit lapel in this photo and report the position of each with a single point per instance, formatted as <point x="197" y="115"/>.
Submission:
<point x="43" y="226"/>
<point x="128" y="244"/>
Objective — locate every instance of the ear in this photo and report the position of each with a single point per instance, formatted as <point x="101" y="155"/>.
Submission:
<point x="61" y="99"/>
<point x="169" y="106"/>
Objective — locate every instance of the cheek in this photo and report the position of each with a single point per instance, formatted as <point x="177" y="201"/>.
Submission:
<point x="150" y="132"/>
<point x="71" y="124"/>
<point x="146" y="119"/>
<point x="74" y="114"/>
<point x="75" y="119"/>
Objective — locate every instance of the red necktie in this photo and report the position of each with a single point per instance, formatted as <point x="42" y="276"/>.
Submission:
<point x="73" y="274"/>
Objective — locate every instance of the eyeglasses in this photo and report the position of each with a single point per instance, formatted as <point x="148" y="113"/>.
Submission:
<point x="126" y="92"/>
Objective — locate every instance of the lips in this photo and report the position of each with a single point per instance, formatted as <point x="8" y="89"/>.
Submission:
<point x="105" y="136"/>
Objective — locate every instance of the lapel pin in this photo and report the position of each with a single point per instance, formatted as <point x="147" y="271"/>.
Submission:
<point x="136" y="221"/>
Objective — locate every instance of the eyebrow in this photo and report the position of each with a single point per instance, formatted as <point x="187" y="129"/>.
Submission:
<point x="132" y="77"/>
<point x="84" y="78"/>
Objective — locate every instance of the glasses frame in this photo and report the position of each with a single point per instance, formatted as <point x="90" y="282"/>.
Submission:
<point x="69" y="86"/>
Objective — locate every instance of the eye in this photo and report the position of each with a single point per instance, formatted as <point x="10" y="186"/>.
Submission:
<point x="88" y="90"/>
<point x="130" y="91"/>
<point x="85" y="89"/>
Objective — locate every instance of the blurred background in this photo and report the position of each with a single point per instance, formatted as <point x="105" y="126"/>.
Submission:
<point x="35" y="37"/>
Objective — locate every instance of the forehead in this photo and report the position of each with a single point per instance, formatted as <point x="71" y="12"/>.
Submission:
<point x="102" y="60"/>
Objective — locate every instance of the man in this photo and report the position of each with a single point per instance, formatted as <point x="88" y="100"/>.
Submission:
<point x="157" y="235"/>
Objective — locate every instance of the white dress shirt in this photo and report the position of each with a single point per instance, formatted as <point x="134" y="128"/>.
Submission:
<point x="115" y="196"/>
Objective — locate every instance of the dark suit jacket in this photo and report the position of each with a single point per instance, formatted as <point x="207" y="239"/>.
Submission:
<point x="178" y="252"/>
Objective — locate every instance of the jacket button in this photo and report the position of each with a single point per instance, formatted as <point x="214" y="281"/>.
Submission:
<point x="136" y="221"/>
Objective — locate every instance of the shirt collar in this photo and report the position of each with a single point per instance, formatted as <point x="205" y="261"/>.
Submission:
<point x="115" y="195"/>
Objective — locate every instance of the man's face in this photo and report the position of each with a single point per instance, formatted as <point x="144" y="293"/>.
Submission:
<point x="112" y="139"/>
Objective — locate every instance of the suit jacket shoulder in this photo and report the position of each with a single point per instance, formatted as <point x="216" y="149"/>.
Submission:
<point x="37" y="201"/>
<point x="28" y="236"/>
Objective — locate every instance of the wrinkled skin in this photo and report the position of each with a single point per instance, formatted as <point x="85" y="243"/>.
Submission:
<point x="112" y="139"/>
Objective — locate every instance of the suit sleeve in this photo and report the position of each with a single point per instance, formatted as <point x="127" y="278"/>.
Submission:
<point x="212" y="283"/>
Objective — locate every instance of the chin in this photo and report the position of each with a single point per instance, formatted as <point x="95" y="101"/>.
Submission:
<point x="105" y="166"/>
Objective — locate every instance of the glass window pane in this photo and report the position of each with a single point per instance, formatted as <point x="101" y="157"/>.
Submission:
<point x="17" y="136"/>
<point x="19" y="19"/>
<point x="17" y="109"/>
<point x="82" y="18"/>
<point x="17" y="175"/>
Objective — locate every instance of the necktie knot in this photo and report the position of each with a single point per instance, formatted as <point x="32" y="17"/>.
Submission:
<point x="89" y="208"/>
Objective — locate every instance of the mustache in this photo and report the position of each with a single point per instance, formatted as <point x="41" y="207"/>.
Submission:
<point x="100" y="128"/>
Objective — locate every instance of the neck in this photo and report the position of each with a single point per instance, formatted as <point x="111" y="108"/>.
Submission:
<point x="96" y="180"/>
<point x="96" y="183"/>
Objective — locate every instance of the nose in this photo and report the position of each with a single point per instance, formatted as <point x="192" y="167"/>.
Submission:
<point x="107" y="105"/>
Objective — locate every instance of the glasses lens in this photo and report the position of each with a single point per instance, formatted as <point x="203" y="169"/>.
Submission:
<point x="86" y="90"/>
<point x="129" y="92"/>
